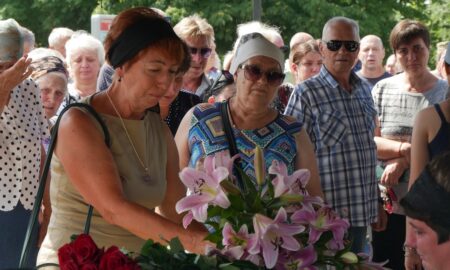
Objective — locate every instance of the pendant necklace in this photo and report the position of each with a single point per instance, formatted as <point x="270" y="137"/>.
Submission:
<point x="146" y="177"/>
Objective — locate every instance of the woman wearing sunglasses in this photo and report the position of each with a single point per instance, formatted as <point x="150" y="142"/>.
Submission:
<point x="257" y="70"/>
<point x="398" y="99"/>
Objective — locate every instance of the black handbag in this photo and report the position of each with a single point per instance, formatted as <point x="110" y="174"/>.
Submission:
<point x="237" y="168"/>
<point x="40" y="193"/>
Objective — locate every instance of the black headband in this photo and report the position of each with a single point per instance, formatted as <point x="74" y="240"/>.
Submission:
<point x="136" y="37"/>
<point x="428" y="199"/>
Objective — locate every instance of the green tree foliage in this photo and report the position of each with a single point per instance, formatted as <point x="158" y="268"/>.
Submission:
<point x="439" y="22"/>
<point x="41" y="16"/>
<point x="291" y="16"/>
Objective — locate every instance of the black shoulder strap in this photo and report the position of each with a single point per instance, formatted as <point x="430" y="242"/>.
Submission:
<point x="43" y="179"/>
<point x="440" y="113"/>
<point x="231" y="143"/>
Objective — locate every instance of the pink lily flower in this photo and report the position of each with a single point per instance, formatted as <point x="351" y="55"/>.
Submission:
<point x="204" y="189"/>
<point x="298" y="260"/>
<point x="321" y="221"/>
<point x="236" y="243"/>
<point x="288" y="184"/>
<point x="222" y="159"/>
<point x="271" y="235"/>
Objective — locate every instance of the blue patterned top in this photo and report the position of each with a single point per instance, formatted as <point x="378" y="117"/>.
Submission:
<point x="277" y="139"/>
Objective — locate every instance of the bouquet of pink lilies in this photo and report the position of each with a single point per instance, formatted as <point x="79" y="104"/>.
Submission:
<point x="273" y="223"/>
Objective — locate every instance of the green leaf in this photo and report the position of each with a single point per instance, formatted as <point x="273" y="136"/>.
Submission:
<point x="176" y="245"/>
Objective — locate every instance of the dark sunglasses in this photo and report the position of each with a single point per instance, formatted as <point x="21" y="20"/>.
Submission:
<point x="349" y="45"/>
<point x="204" y="52"/>
<point x="254" y="73"/>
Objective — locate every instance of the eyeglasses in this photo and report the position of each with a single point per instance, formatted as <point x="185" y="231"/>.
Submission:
<point x="349" y="45"/>
<point x="204" y="52"/>
<point x="254" y="73"/>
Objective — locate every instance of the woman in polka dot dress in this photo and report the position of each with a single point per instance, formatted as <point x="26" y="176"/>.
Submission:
<point x="23" y="127"/>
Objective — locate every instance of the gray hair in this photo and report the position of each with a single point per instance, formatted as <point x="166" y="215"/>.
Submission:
<point x="58" y="34"/>
<point x="84" y="40"/>
<point x="340" y="19"/>
<point x="271" y="33"/>
<point x="27" y="35"/>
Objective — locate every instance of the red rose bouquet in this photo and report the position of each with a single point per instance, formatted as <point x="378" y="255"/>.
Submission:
<point x="83" y="253"/>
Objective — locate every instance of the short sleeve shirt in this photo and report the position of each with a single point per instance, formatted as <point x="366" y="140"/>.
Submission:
<point x="23" y="128"/>
<point x="341" y="126"/>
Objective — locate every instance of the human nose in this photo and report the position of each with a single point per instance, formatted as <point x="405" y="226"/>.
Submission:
<point x="197" y="57"/>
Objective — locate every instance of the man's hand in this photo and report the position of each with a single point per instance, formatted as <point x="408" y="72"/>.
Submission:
<point x="393" y="171"/>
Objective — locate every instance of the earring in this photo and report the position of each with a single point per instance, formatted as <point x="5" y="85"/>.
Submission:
<point x="120" y="79"/>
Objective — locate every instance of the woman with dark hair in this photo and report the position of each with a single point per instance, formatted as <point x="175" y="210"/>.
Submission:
<point x="133" y="185"/>
<point x="398" y="99"/>
<point x="426" y="205"/>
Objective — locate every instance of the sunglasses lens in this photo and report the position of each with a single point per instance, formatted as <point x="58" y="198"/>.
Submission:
<point x="205" y="52"/>
<point x="253" y="72"/>
<point x="351" y="46"/>
<point x="274" y="77"/>
<point x="334" y="45"/>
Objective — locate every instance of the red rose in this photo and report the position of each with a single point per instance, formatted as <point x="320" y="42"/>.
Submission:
<point x="89" y="266"/>
<point x="86" y="251"/>
<point x="69" y="265"/>
<point x="66" y="257"/>
<point x="113" y="258"/>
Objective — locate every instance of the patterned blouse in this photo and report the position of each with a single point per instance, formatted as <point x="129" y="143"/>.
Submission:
<point x="23" y="128"/>
<point x="277" y="139"/>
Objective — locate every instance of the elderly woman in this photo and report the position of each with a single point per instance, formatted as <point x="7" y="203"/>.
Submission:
<point x="398" y="99"/>
<point x="23" y="128"/>
<point x="51" y="76"/>
<point x="305" y="60"/>
<point x="84" y="57"/>
<point x="426" y="206"/>
<point x="133" y="185"/>
<point x="58" y="38"/>
<point x="257" y="69"/>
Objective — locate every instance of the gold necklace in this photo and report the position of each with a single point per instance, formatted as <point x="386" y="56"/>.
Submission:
<point x="146" y="177"/>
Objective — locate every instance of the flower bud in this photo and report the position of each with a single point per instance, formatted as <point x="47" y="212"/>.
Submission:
<point x="260" y="173"/>
<point x="292" y="198"/>
<point x="229" y="187"/>
<point x="349" y="257"/>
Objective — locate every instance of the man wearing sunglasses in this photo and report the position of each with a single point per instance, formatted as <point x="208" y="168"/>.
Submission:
<point x="199" y="36"/>
<point x="337" y="110"/>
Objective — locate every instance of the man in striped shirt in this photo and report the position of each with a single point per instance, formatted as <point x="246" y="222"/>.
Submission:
<point x="338" y="112"/>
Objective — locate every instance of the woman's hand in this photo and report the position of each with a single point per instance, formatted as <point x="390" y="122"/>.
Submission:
<point x="412" y="261"/>
<point x="13" y="76"/>
<point x="393" y="171"/>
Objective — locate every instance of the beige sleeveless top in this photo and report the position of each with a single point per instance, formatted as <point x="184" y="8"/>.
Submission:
<point x="68" y="207"/>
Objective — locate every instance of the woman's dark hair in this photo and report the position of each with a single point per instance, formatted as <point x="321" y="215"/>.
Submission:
<point x="170" y="44"/>
<point x="407" y="30"/>
<point x="429" y="197"/>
